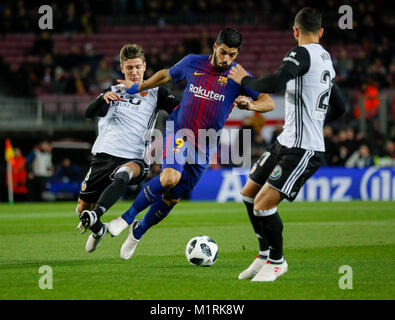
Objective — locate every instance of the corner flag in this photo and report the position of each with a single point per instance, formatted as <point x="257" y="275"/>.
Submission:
<point x="9" y="156"/>
<point x="9" y="151"/>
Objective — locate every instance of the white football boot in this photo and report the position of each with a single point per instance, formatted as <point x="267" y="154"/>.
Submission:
<point x="116" y="226"/>
<point x="270" y="271"/>
<point x="253" y="269"/>
<point x="92" y="243"/>
<point x="130" y="243"/>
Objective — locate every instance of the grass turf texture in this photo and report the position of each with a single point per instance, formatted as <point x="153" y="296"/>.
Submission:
<point x="318" y="237"/>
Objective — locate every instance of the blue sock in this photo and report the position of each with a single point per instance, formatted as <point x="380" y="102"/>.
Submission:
<point x="151" y="191"/>
<point x="129" y="215"/>
<point x="158" y="211"/>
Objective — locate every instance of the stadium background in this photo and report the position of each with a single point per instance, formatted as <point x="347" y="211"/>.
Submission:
<point x="44" y="87"/>
<point x="47" y="78"/>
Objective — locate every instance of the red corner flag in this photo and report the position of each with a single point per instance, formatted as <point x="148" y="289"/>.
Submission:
<point x="9" y="151"/>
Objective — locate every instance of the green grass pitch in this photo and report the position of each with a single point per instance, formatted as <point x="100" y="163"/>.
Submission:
<point x="319" y="238"/>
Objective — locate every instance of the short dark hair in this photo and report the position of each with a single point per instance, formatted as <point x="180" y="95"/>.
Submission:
<point x="231" y="37"/>
<point x="309" y="20"/>
<point x="131" y="51"/>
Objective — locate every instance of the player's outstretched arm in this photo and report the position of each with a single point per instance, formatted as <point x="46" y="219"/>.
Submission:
<point x="295" y="63"/>
<point x="269" y="84"/>
<point x="264" y="103"/>
<point x="160" y="78"/>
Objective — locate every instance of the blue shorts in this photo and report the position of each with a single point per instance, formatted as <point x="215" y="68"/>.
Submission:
<point x="181" y="154"/>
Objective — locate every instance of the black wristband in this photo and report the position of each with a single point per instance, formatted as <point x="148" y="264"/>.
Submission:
<point x="244" y="79"/>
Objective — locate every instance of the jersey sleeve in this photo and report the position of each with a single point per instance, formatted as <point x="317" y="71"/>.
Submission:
<point x="98" y="107"/>
<point x="249" y="92"/>
<point x="177" y="72"/>
<point x="296" y="61"/>
<point x="166" y="101"/>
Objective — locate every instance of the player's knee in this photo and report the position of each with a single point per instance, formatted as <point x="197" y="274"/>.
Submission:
<point x="250" y="190"/>
<point x="247" y="197"/>
<point x="123" y="174"/>
<point x="267" y="198"/>
<point x="263" y="203"/>
<point x="169" y="179"/>
<point x="246" y="193"/>
<point x="78" y="209"/>
<point x="81" y="206"/>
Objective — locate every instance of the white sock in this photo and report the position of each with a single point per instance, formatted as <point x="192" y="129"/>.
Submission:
<point x="277" y="261"/>
<point x="264" y="253"/>
<point x="116" y="226"/>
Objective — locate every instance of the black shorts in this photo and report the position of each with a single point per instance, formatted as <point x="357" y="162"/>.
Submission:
<point x="101" y="174"/>
<point x="286" y="169"/>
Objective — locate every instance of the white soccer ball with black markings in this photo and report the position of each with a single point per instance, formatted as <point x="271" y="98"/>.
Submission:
<point x="201" y="251"/>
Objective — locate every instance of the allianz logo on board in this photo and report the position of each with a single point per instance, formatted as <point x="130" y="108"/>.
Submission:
<point x="375" y="184"/>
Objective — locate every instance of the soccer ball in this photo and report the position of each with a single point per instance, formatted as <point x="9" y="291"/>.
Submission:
<point x="201" y="251"/>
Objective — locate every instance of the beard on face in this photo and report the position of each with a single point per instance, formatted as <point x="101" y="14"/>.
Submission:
<point x="220" y="67"/>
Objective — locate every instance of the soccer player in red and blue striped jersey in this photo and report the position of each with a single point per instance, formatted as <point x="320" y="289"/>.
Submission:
<point x="207" y="101"/>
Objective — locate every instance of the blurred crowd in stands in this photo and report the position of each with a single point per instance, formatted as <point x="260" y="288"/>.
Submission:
<point x="22" y="16"/>
<point x="350" y="148"/>
<point x="83" y="70"/>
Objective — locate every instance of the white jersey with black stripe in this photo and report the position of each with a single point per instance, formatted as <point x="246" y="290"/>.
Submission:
<point x="126" y="130"/>
<point x="307" y="98"/>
